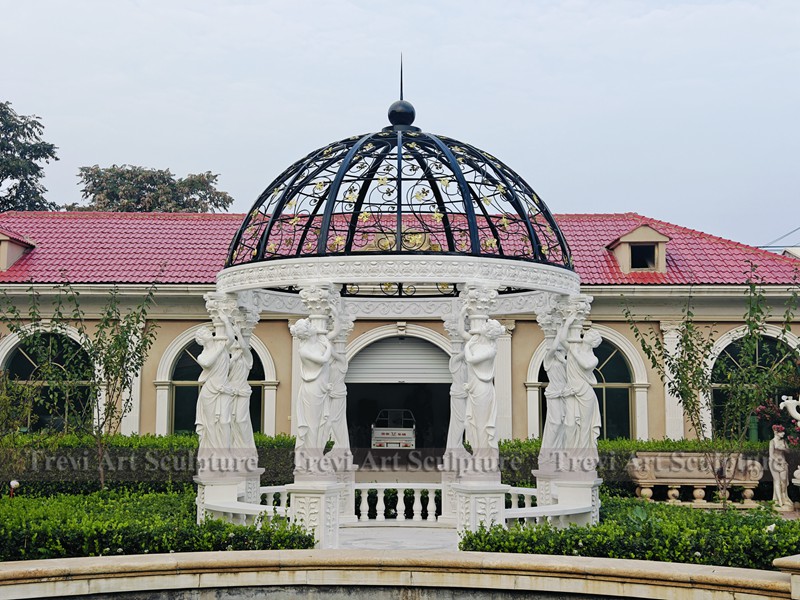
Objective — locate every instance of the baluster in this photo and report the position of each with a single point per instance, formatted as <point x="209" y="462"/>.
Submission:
<point x="363" y="506"/>
<point x="418" y="504"/>
<point x="380" y="506"/>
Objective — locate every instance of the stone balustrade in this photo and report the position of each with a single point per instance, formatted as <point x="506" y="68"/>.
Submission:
<point x="419" y="512"/>
<point x="676" y="470"/>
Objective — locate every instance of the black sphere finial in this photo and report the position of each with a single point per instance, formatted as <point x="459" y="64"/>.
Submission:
<point x="402" y="112"/>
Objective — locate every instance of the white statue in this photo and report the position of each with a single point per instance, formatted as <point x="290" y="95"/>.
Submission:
<point x="791" y="406"/>
<point x="241" y="361"/>
<point x="555" y="363"/>
<point x="779" y="467"/>
<point x="335" y="415"/>
<point x="582" y="416"/>
<point x="315" y="356"/>
<point x="214" y="402"/>
<point x="458" y="402"/>
<point x="480" y="352"/>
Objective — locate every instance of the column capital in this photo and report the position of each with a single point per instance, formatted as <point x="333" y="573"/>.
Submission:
<point x="509" y="324"/>
<point x="479" y="299"/>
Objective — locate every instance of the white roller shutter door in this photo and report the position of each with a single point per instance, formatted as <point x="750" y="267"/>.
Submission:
<point x="396" y="360"/>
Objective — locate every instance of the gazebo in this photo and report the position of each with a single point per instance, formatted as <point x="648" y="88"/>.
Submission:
<point x="398" y="223"/>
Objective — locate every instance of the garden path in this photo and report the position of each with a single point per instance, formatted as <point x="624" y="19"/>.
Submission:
<point x="398" y="538"/>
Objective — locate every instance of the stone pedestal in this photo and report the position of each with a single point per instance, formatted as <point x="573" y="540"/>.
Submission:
<point x="546" y="489"/>
<point x="346" y="476"/>
<point x="478" y="503"/>
<point x="213" y="490"/>
<point x="449" y="479"/>
<point x="581" y="492"/>
<point x="250" y="488"/>
<point x="316" y="507"/>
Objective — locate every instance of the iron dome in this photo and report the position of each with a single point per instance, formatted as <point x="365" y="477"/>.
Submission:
<point x="399" y="191"/>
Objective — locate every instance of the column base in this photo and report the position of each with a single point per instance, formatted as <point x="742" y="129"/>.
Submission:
<point x="479" y="503"/>
<point x="316" y="507"/>
<point x="214" y="489"/>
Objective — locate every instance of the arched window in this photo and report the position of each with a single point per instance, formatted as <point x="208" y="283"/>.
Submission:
<point x="614" y="391"/>
<point x="767" y="352"/>
<point x="185" y="390"/>
<point x="54" y="372"/>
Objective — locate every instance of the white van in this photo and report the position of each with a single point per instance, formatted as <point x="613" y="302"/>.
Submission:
<point x="394" y="428"/>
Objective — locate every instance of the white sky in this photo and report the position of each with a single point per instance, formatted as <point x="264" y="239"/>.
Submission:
<point x="686" y="111"/>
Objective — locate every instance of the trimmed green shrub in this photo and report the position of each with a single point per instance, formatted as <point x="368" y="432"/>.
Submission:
<point x="53" y="464"/>
<point x="519" y="457"/>
<point x="635" y="529"/>
<point x="121" y="522"/>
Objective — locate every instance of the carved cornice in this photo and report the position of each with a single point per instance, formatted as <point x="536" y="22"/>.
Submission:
<point x="493" y="272"/>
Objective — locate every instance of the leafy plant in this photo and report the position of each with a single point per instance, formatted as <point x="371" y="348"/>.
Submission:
<point x="86" y="385"/>
<point x="130" y="188"/>
<point x="22" y="152"/>
<point x="743" y="382"/>
<point x="634" y="529"/>
<point x="123" y="522"/>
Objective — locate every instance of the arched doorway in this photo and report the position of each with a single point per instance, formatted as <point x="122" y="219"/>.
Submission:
<point x="399" y="372"/>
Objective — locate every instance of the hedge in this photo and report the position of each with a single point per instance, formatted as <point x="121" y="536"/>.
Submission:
<point x="52" y="464"/>
<point x="68" y="463"/>
<point x="122" y="522"/>
<point x="633" y="529"/>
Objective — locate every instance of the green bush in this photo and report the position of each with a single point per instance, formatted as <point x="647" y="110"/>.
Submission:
<point x="519" y="457"/>
<point x="121" y="522"/>
<point x="53" y="464"/>
<point x="634" y="529"/>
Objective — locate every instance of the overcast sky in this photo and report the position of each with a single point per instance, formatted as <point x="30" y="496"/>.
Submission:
<point x="686" y="111"/>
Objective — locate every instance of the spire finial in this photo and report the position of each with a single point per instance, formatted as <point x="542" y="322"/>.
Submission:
<point x="401" y="113"/>
<point x="401" y="76"/>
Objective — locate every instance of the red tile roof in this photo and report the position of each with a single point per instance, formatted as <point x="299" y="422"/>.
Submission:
<point x="90" y="247"/>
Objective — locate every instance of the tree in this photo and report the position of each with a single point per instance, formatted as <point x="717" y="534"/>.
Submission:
<point x="744" y="381"/>
<point x="86" y="385"/>
<point x="22" y="152"/>
<point x="129" y="188"/>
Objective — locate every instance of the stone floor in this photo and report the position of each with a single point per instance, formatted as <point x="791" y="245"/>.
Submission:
<point x="398" y="538"/>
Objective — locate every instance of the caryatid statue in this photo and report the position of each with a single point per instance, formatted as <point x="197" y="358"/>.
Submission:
<point x="241" y="362"/>
<point x="573" y="421"/>
<point x="480" y="353"/>
<point x="582" y="421"/>
<point x="458" y="387"/>
<point x="336" y="424"/>
<point x="316" y="357"/>
<point x="215" y="400"/>
<point x="555" y="364"/>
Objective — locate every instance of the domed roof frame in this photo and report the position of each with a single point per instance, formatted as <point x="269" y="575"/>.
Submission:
<point x="399" y="213"/>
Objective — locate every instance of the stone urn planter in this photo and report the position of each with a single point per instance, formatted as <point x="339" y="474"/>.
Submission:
<point x="675" y="470"/>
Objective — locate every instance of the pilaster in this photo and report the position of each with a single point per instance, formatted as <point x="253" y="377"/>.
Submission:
<point x="673" y="414"/>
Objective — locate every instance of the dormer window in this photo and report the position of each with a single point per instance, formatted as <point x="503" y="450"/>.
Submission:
<point x="12" y="247"/>
<point x="641" y="249"/>
<point x="643" y="257"/>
